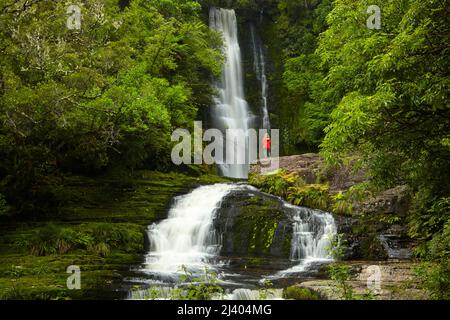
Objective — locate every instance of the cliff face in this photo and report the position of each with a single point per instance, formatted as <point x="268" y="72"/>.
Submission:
<point x="375" y="229"/>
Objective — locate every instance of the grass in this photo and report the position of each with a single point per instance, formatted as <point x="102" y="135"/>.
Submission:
<point x="100" y="228"/>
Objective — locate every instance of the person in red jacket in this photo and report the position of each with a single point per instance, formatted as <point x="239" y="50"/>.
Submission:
<point x="267" y="144"/>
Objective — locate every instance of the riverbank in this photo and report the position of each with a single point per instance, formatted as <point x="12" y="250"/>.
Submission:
<point x="396" y="282"/>
<point x="100" y="228"/>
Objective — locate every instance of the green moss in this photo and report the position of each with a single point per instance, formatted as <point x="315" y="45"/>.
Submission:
<point x="256" y="226"/>
<point x="298" y="293"/>
<point x="100" y="228"/>
<point x="287" y="244"/>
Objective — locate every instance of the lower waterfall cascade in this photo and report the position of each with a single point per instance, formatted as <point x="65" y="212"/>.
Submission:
<point x="186" y="240"/>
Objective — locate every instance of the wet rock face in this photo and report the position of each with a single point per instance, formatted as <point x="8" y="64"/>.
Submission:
<point x="254" y="223"/>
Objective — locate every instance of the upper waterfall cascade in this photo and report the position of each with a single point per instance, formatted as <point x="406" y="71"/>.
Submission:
<point x="231" y="109"/>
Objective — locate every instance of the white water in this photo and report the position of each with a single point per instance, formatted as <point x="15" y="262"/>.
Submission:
<point x="247" y="294"/>
<point x="231" y="109"/>
<point x="186" y="238"/>
<point x="311" y="240"/>
<point x="259" y="66"/>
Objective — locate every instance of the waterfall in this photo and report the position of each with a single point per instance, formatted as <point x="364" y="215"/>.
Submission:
<point x="311" y="239"/>
<point x="259" y="66"/>
<point x="186" y="238"/>
<point x="230" y="109"/>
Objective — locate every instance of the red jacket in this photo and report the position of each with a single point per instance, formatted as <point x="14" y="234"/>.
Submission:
<point x="267" y="143"/>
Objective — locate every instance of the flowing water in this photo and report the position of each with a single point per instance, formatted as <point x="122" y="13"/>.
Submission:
<point x="231" y="109"/>
<point x="186" y="238"/>
<point x="311" y="239"/>
<point x="187" y="241"/>
<point x="259" y="67"/>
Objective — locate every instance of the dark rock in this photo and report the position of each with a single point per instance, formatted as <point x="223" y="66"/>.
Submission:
<point x="370" y="240"/>
<point x="393" y="201"/>
<point x="254" y="223"/>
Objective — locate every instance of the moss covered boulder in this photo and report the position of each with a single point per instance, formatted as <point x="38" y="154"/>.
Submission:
<point x="254" y="224"/>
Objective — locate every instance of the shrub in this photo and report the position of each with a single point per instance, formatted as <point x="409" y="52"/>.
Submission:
<point x="101" y="249"/>
<point x="343" y="202"/>
<point x="313" y="196"/>
<point x="341" y="274"/>
<point x="298" y="293"/>
<point x="276" y="184"/>
<point x="95" y="238"/>
<point x="44" y="241"/>
<point x="205" y="287"/>
<point x="434" y="274"/>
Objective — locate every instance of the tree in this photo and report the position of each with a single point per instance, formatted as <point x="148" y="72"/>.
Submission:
<point x="106" y="94"/>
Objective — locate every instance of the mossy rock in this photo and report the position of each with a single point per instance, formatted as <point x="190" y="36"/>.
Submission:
<point x="254" y="223"/>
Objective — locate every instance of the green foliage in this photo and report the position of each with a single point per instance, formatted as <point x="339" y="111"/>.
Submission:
<point x="16" y="271"/>
<point x="293" y="188"/>
<point x="435" y="278"/>
<point x="341" y="274"/>
<point x="428" y="216"/>
<point x="276" y="184"/>
<point x="343" y="202"/>
<point x="390" y="103"/>
<point x="434" y="274"/>
<point x="205" y="287"/>
<point x="338" y="246"/>
<point x="95" y="238"/>
<point x="298" y="293"/>
<point x="313" y="196"/>
<point x="4" y="208"/>
<point x="318" y="196"/>
<point x="305" y="111"/>
<point x="267" y="291"/>
<point x="107" y="95"/>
